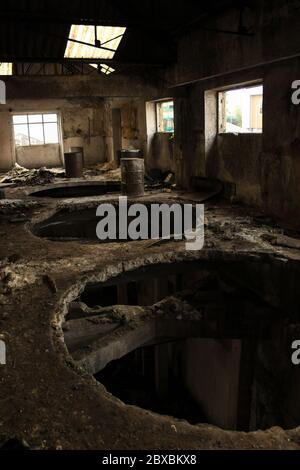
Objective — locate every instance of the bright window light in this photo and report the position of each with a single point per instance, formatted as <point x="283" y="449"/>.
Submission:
<point x="109" y="37"/>
<point x="241" y="110"/>
<point x="165" y="116"/>
<point x="104" y="68"/>
<point x="35" y="129"/>
<point x="5" y="68"/>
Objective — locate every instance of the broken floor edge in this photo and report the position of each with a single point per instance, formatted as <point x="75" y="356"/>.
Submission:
<point x="115" y="269"/>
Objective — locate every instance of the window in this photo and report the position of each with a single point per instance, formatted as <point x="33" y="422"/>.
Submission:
<point x="165" y="116"/>
<point x="241" y="110"/>
<point x="35" y="129"/>
<point x="5" y="68"/>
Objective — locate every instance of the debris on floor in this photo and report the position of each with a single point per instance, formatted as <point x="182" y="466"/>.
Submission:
<point x="110" y="169"/>
<point x="20" y="175"/>
<point x="157" y="179"/>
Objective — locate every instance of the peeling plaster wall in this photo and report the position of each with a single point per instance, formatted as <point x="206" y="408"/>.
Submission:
<point x="82" y="124"/>
<point x="133" y="121"/>
<point x="89" y="127"/>
<point x="85" y="105"/>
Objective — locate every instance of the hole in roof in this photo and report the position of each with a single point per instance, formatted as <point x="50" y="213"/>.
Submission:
<point x="103" y="68"/>
<point x="88" y="41"/>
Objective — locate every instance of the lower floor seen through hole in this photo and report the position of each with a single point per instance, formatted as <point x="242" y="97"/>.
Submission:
<point x="151" y="378"/>
<point x="231" y="370"/>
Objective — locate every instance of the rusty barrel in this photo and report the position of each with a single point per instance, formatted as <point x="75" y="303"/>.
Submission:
<point x="132" y="171"/>
<point x="80" y="150"/>
<point x="129" y="154"/>
<point x="73" y="164"/>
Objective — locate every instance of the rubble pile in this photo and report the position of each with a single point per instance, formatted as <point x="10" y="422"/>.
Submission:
<point x="20" y="176"/>
<point x="109" y="169"/>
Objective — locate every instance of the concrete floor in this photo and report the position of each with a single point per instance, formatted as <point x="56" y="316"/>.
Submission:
<point x="46" y="398"/>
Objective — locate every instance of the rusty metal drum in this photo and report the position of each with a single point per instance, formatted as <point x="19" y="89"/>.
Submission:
<point x="73" y="164"/>
<point x="132" y="171"/>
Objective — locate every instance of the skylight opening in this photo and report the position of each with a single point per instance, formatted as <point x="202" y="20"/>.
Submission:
<point x="109" y="38"/>
<point x="6" y="68"/>
<point x="104" y="68"/>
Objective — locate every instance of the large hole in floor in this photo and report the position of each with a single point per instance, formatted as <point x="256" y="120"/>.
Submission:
<point x="219" y="351"/>
<point x="139" y="379"/>
<point x="80" y="224"/>
<point x="83" y="190"/>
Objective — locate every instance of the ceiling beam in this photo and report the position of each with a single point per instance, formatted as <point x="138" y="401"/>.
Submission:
<point x="60" y="60"/>
<point x="30" y="17"/>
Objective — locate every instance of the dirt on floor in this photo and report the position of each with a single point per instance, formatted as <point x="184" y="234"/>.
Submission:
<point x="46" y="400"/>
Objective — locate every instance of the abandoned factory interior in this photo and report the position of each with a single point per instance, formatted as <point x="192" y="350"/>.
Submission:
<point x="149" y="225"/>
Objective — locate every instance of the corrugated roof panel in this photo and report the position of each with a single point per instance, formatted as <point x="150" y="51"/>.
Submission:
<point x="109" y="37"/>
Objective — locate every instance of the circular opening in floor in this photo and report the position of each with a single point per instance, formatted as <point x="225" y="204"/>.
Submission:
<point x="79" y="190"/>
<point x="206" y="341"/>
<point x="80" y="224"/>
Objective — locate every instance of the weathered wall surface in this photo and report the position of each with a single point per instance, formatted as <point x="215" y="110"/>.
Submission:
<point x="205" y="53"/>
<point x="160" y="145"/>
<point x="212" y="377"/>
<point x="89" y="126"/>
<point x="265" y="168"/>
<point x="161" y="154"/>
<point x="280" y="162"/>
<point x="82" y="86"/>
<point x="83" y="124"/>
<point x="85" y="106"/>
<point x="32" y="156"/>
<point x="133" y="122"/>
<point x="276" y="382"/>
<point x="6" y="140"/>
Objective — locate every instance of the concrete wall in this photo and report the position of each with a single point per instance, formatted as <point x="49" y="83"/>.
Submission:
<point x="160" y="154"/>
<point x="6" y="141"/>
<point x="265" y="168"/>
<point x="212" y="377"/>
<point x="33" y="156"/>
<point x="83" y="124"/>
<point x="276" y="382"/>
<point x="133" y="122"/>
<point x="85" y="105"/>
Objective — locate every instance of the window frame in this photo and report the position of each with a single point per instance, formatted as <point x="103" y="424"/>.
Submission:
<point x="157" y="115"/>
<point x="37" y="113"/>
<point x="221" y="107"/>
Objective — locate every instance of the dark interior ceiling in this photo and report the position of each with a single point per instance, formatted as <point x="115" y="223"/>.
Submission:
<point x="37" y="30"/>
